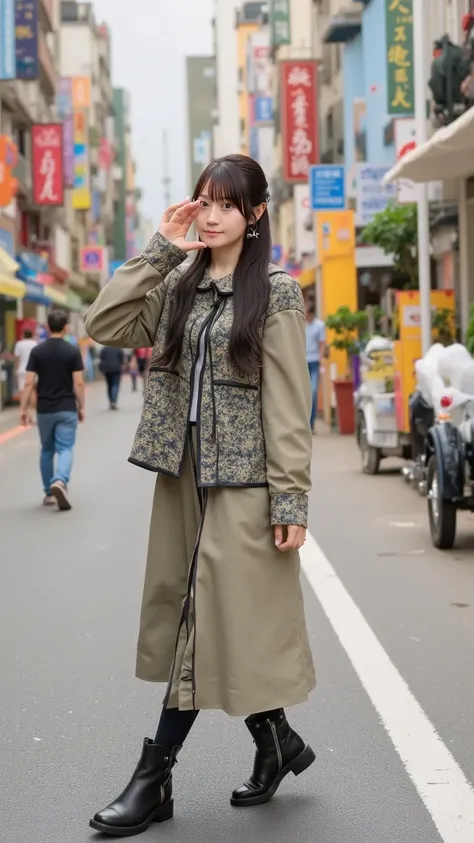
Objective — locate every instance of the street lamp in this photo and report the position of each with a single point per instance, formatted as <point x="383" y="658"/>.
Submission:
<point x="424" y="271"/>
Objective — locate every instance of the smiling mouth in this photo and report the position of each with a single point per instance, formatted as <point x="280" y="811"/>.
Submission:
<point x="213" y="233"/>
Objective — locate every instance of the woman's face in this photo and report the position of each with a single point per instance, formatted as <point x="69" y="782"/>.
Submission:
<point x="219" y="223"/>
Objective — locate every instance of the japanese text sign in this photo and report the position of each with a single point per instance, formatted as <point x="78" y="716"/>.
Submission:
<point x="8" y="162"/>
<point x="26" y="37"/>
<point x="373" y="195"/>
<point x="399" y="44"/>
<point x="81" y="92"/>
<point x="280" y="22"/>
<point x="47" y="157"/>
<point x="300" y="137"/>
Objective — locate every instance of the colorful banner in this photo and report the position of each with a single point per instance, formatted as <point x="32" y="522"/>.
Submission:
<point x="299" y="118"/>
<point x="47" y="163"/>
<point x="81" y="197"/>
<point x="280" y="22"/>
<point x="7" y="40"/>
<point x="81" y="92"/>
<point x="399" y="44"/>
<point x="26" y="36"/>
<point x="8" y="162"/>
<point x="92" y="259"/>
<point x="68" y="140"/>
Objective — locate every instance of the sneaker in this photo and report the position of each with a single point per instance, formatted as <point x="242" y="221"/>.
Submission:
<point x="49" y="500"/>
<point x="59" y="493"/>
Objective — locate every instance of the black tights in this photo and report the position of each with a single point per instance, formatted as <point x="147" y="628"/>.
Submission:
<point x="175" y="725"/>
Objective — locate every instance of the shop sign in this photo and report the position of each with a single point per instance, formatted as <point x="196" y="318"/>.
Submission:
<point x="7" y="40"/>
<point x="81" y="92"/>
<point x="373" y="195"/>
<point x="280" y="22"/>
<point x="92" y="259"/>
<point x="8" y="162"/>
<point x="399" y="45"/>
<point x="47" y="161"/>
<point x="299" y="112"/>
<point x="26" y="39"/>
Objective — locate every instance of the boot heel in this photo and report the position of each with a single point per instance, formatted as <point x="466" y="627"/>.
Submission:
<point x="165" y="812"/>
<point x="303" y="761"/>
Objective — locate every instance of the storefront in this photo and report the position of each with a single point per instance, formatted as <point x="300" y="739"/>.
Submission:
<point x="12" y="292"/>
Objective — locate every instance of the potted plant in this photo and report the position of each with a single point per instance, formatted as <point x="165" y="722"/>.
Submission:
<point x="346" y="325"/>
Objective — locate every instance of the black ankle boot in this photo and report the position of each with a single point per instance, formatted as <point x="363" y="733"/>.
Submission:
<point x="279" y="751"/>
<point x="147" y="797"/>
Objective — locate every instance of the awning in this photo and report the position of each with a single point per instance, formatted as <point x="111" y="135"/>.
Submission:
<point x="11" y="287"/>
<point x="73" y="302"/>
<point x="55" y="295"/>
<point x="447" y="155"/>
<point x="7" y="264"/>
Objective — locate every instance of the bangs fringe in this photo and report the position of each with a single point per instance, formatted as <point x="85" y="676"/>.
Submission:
<point x="223" y="182"/>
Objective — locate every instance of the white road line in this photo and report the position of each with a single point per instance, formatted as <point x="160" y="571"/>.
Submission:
<point x="447" y="794"/>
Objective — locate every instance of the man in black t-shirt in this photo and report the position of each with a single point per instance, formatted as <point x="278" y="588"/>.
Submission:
<point x="56" y="367"/>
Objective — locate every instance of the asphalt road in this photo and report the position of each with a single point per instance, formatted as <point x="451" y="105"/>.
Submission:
<point x="72" y="716"/>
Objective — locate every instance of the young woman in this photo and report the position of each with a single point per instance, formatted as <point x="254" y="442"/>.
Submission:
<point x="225" y="425"/>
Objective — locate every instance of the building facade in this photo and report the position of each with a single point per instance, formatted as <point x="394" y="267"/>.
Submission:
<point x="201" y="109"/>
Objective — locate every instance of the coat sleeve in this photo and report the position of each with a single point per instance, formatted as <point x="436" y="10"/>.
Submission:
<point x="286" y="410"/>
<point x="127" y="311"/>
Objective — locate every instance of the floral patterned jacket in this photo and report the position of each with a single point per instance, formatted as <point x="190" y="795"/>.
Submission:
<point x="252" y="430"/>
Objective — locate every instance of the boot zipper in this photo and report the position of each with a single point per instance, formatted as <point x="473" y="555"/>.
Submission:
<point x="277" y="745"/>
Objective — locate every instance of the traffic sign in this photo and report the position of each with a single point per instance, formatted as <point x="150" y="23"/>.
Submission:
<point x="327" y="187"/>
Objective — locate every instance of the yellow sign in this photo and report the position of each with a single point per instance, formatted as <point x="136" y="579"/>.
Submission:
<point x="409" y="312"/>
<point x="81" y="195"/>
<point x="381" y="366"/>
<point x="335" y="234"/>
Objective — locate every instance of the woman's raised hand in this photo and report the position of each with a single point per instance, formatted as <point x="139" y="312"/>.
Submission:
<point x="176" y="222"/>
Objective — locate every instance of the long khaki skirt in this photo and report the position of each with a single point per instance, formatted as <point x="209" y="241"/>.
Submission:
<point x="222" y="617"/>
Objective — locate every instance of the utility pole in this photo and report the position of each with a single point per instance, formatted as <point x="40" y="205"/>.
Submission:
<point x="166" y="180"/>
<point x="424" y="271"/>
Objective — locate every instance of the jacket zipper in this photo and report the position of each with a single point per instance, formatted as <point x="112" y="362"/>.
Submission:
<point x="277" y="745"/>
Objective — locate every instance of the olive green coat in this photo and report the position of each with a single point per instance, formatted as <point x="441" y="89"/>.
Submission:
<point x="222" y="614"/>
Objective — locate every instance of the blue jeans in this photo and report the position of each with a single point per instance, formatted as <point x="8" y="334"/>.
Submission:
<point x="313" y="367"/>
<point x="58" y="435"/>
<point x="113" y="385"/>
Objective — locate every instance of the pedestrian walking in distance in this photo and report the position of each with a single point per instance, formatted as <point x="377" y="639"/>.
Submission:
<point x="225" y="426"/>
<point x="56" y="367"/>
<point x="23" y="349"/>
<point x="111" y="363"/>
<point x="315" y="349"/>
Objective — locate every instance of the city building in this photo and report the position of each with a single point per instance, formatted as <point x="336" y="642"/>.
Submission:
<point x="226" y="134"/>
<point x="201" y="109"/>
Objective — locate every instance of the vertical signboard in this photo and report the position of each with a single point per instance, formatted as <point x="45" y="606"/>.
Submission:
<point x="373" y="196"/>
<point x="64" y="106"/>
<point x="7" y="40"/>
<point x="299" y="118"/>
<point x="81" y="197"/>
<point x="280" y="22"/>
<point x="81" y="92"/>
<point x="408" y="191"/>
<point x="26" y="39"/>
<point x="399" y="45"/>
<point x="47" y="163"/>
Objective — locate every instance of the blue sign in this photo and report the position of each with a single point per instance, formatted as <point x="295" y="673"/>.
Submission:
<point x="263" y="109"/>
<point x="26" y="28"/>
<point x="31" y="265"/>
<point x="277" y="252"/>
<point x="7" y="241"/>
<point x="7" y="39"/>
<point x="327" y="187"/>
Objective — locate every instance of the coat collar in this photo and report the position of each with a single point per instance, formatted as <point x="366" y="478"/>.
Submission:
<point x="222" y="285"/>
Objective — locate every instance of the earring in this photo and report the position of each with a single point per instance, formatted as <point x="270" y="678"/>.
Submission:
<point x="252" y="232"/>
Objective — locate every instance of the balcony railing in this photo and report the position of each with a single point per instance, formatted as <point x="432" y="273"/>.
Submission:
<point x="47" y="64"/>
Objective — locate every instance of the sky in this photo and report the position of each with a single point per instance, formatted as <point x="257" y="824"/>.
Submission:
<point x="149" y="45"/>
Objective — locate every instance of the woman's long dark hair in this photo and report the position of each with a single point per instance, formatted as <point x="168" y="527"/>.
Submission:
<point x="241" y="181"/>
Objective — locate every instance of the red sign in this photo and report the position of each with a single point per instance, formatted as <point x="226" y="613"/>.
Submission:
<point x="299" y="113"/>
<point x="92" y="259"/>
<point x="48" y="176"/>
